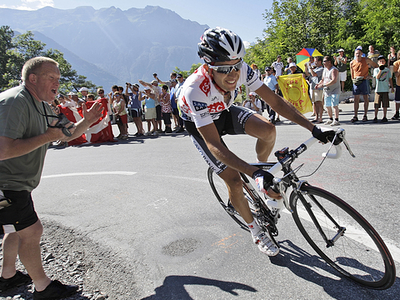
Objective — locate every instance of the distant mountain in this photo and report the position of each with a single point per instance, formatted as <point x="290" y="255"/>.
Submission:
<point x="111" y="46"/>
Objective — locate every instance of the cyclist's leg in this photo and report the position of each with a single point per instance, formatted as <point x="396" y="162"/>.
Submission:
<point x="247" y="121"/>
<point x="235" y="190"/>
<point x="231" y="177"/>
<point x="265" y="132"/>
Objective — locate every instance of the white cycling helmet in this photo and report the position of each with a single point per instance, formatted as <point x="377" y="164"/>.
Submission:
<point x="220" y="44"/>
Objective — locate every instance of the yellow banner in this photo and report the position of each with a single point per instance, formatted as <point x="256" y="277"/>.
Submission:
<point x="295" y="89"/>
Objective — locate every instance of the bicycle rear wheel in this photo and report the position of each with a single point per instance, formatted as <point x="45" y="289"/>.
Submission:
<point x="220" y="190"/>
<point x="356" y="250"/>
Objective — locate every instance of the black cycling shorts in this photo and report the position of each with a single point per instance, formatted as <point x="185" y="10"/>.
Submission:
<point x="20" y="214"/>
<point x="231" y="121"/>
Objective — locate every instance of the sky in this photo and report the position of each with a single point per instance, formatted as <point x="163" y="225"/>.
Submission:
<point x="244" y="17"/>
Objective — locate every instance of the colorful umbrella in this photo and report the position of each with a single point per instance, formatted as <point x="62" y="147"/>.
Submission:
<point x="304" y="56"/>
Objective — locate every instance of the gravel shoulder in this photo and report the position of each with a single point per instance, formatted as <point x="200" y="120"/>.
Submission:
<point x="72" y="258"/>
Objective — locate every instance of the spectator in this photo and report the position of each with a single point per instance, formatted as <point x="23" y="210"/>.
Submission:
<point x="100" y="131"/>
<point x="174" y="100"/>
<point x="383" y="82"/>
<point x="396" y="70"/>
<point x="157" y="91"/>
<point x="119" y="108"/>
<point x="23" y="145"/>
<point x="114" y="89"/>
<point x="271" y="82"/>
<point x="331" y="84"/>
<point x="178" y="90"/>
<point x="293" y="69"/>
<point x="317" y="93"/>
<point x="287" y="68"/>
<point x="392" y="57"/>
<point x="84" y="91"/>
<point x="359" y="73"/>
<point x="90" y="97"/>
<point x="172" y="76"/>
<point x="373" y="55"/>
<point x="135" y="107"/>
<point x="150" y="107"/>
<point x="256" y="70"/>
<point x="278" y="66"/>
<point x="166" y="108"/>
<point x="253" y="103"/>
<point x="308" y="65"/>
<point x="341" y="64"/>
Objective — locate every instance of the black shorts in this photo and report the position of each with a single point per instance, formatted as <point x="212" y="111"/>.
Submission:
<point x="166" y="118"/>
<point x="20" y="214"/>
<point x="136" y="113"/>
<point x="159" y="114"/>
<point x="229" y="122"/>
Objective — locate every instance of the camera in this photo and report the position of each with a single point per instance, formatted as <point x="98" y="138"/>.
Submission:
<point x="154" y="74"/>
<point x="128" y="84"/>
<point x="382" y="67"/>
<point x="62" y="121"/>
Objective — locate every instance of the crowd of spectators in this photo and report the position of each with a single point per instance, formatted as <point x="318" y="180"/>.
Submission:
<point x="152" y="106"/>
<point x="326" y="77"/>
<point x="154" y="103"/>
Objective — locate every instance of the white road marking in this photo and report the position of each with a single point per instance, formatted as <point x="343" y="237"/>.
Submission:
<point x="90" y="174"/>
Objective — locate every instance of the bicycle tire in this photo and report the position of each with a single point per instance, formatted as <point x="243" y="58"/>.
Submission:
<point x="359" y="253"/>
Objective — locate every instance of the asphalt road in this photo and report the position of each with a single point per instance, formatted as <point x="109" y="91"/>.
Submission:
<point x="148" y="201"/>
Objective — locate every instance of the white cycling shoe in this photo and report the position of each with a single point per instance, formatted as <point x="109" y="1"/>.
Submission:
<point x="265" y="244"/>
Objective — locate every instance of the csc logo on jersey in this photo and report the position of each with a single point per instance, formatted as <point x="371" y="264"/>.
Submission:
<point x="216" y="107"/>
<point x="199" y="105"/>
<point x="205" y="86"/>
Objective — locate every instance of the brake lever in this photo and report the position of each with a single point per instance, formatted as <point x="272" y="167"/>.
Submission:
<point x="341" y="134"/>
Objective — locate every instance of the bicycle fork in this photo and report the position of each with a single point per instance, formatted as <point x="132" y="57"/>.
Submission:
<point x="340" y="230"/>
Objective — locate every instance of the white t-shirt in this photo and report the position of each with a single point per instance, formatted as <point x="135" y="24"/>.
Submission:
<point x="278" y="66"/>
<point x="200" y="101"/>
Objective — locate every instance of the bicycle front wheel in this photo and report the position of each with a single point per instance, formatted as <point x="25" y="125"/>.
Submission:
<point x="343" y="238"/>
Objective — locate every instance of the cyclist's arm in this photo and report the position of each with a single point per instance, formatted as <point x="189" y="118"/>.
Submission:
<point x="213" y="140"/>
<point x="283" y="107"/>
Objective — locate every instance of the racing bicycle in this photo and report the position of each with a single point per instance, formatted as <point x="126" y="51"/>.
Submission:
<point x="335" y="230"/>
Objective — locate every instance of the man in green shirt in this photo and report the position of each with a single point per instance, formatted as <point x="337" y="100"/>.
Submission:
<point x="27" y="127"/>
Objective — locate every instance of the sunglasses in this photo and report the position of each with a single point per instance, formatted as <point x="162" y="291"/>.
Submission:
<point x="227" y="68"/>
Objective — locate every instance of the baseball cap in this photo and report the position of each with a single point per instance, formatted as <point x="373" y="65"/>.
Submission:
<point x="381" y="57"/>
<point x="359" y="48"/>
<point x="341" y="50"/>
<point x="292" y="64"/>
<point x="268" y="69"/>
<point x="83" y="89"/>
<point x="252" y="94"/>
<point x="154" y="82"/>
<point x="179" y="76"/>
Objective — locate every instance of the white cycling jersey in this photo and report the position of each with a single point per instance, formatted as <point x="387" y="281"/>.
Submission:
<point x="202" y="103"/>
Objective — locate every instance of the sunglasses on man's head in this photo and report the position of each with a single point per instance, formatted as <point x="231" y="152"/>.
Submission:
<point x="227" y="68"/>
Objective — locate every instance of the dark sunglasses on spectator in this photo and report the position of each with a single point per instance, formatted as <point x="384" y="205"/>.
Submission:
<point x="227" y="68"/>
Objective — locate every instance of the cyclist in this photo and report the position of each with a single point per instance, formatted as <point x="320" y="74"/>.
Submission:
<point x="206" y="108"/>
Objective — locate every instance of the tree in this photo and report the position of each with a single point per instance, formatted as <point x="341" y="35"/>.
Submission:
<point x="15" y="51"/>
<point x="6" y="36"/>
<point x="383" y="23"/>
